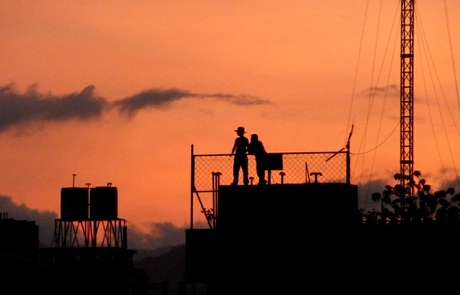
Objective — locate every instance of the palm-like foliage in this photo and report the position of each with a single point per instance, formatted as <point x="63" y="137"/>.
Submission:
<point x="397" y="203"/>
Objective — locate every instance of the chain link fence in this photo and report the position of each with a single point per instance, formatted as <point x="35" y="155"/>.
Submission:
<point x="297" y="168"/>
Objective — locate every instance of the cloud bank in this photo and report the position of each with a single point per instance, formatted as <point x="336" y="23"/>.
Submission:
<point x="22" y="108"/>
<point x="162" y="234"/>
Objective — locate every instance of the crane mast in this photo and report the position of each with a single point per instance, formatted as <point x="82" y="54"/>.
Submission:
<point x="407" y="94"/>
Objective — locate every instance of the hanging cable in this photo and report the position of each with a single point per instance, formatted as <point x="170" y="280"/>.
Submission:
<point x="434" y="76"/>
<point x="451" y="52"/>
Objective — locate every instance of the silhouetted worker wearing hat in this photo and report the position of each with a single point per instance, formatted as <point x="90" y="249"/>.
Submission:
<point x="257" y="149"/>
<point x="240" y="149"/>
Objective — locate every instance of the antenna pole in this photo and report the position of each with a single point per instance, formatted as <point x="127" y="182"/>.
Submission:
<point x="407" y="95"/>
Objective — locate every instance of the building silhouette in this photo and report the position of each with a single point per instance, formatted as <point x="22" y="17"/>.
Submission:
<point x="266" y="236"/>
<point x="21" y="271"/>
<point x="89" y="252"/>
<point x="303" y="232"/>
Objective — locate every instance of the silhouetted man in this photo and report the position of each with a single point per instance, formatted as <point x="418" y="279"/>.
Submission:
<point x="240" y="148"/>
<point x="256" y="148"/>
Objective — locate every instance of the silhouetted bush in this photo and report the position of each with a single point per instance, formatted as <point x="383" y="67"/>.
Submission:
<point x="413" y="204"/>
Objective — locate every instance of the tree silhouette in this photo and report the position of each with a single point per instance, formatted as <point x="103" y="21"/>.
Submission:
<point x="399" y="206"/>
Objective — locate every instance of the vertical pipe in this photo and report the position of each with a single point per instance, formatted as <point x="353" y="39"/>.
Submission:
<point x="215" y="189"/>
<point x="217" y="196"/>
<point x="214" y="176"/>
<point x="348" y="163"/>
<point x="192" y="186"/>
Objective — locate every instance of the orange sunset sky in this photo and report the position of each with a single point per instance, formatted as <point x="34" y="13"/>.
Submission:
<point x="118" y="91"/>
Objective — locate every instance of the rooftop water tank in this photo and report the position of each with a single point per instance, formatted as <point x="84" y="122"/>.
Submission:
<point x="103" y="203"/>
<point x="74" y="203"/>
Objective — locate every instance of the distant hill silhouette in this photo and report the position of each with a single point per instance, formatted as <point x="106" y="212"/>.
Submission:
<point x="165" y="265"/>
<point x="141" y="254"/>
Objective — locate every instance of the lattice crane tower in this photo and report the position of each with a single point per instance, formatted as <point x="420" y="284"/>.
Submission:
<point x="407" y="94"/>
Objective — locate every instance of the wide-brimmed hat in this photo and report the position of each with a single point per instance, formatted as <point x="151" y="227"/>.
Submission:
<point x="240" y="129"/>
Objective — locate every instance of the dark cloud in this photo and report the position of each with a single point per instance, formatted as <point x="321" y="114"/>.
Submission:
<point x="153" y="98"/>
<point x="19" y="109"/>
<point x="390" y="90"/>
<point x="239" y="99"/>
<point x="160" y="234"/>
<point x="31" y="106"/>
<point x="365" y="192"/>
<point x="161" y="98"/>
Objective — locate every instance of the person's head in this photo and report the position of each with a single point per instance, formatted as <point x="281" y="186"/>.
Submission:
<point x="254" y="137"/>
<point x="240" y="131"/>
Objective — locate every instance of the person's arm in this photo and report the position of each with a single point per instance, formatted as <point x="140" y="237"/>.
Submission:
<point x="234" y="148"/>
<point x="262" y="148"/>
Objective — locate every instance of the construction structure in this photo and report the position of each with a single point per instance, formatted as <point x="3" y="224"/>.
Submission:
<point x="303" y="231"/>
<point x="89" y="219"/>
<point x="264" y="233"/>
<point x="90" y="243"/>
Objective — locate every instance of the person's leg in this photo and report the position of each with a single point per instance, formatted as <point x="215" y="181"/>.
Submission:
<point x="260" y="173"/>
<point x="260" y="169"/>
<point x="236" y="168"/>
<point x="244" y="166"/>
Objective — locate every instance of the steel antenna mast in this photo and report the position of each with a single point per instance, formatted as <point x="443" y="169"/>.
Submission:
<point x="407" y="95"/>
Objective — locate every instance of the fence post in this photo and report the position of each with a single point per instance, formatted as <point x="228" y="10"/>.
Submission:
<point x="192" y="186"/>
